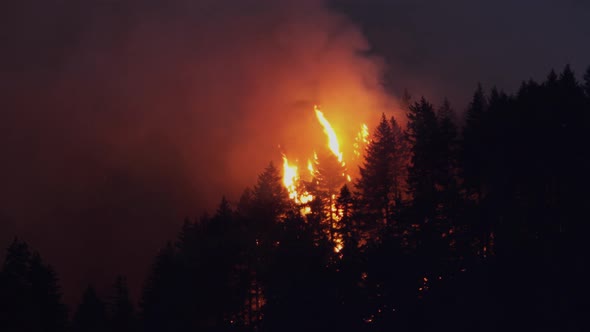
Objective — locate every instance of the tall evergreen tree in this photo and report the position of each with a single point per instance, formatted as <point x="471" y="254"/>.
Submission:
<point x="587" y="82"/>
<point x="473" y="144"/>
<point x="446" y="170"/>
<point x="30" y="297"/>
<point x="375" y="185"/>
<point x="423" y="135"/>
<point x="48" y="309"/>
<point x="350" y="231"/>
<point x="122" y="317"/>
<point x="270" y="198"/>
<point x="400" y="159"/>
<point x="163" y="296"/>
<point x="299" y="283"/>
<point x="91" y="315"/>
<point x="16" y="288"/>
<point x="329" y="177"/>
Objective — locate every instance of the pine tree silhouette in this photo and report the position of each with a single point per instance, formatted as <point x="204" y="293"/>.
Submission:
<point x="122" y="313"/>
<point x="91" y="314"/>
<point x="473" y="143"/>
<point x="30" y="297"/>
<point x="423" y="135"/>
<point x="376" y="183"/>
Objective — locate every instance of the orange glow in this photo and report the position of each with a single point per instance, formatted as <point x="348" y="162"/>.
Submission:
<point x="296" y="187"/>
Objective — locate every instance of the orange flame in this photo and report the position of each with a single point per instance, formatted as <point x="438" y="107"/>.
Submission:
<point x="361" y="140"/>
<point x="291" y="181"/>
<point x="329" y="131"/>
<point x="290" y="177"/>
<point x="297" y="192"/>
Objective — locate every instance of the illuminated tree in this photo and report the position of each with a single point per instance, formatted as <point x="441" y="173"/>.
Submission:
<point x="329" y="177"/>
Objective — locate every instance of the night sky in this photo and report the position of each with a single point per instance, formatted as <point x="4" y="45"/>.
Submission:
<point x="120" y="118"/>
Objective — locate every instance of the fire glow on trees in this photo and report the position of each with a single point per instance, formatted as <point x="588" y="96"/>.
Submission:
<point x="302" y="196"/>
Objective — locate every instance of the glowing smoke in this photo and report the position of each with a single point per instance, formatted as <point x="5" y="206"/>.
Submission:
<point x="124" y="117"/>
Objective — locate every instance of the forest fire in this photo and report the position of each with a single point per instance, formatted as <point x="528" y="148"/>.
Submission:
<point x="325" y="178"/>
<point x="330" y="133"/>
<point x="291" y="183"/>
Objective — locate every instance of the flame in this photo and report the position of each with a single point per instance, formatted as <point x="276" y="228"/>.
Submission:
<point x="296" y="188"/>
<point x="361" y="140"/>
<point x="310" y="168"/>
<point x="291" y="181"/>
<point x="336" y="216"/>
<point x="290" y="177"/>
<point x="329" y="131"/>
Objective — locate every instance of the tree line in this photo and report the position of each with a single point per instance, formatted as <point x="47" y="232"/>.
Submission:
<point x="467" y="224"/>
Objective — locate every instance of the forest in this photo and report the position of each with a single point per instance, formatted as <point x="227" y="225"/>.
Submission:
<point x="467" y="219"/>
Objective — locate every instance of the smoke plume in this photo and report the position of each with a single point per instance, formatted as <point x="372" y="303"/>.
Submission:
<point x="120" y="118"/>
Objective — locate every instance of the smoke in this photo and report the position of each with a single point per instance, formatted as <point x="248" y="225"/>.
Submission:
<point x="119" y="118"/>
<point x="444" y="48"/>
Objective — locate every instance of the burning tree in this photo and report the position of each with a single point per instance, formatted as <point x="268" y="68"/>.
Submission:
<point x="328" y="173"/>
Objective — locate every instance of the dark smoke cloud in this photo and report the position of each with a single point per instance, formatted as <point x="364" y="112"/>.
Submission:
<point x="443" y="48"/>
<point x="119" y="118"/>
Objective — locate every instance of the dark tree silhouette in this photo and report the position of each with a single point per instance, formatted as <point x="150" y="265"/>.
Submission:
<point x="448" y="164"/>
<point x="270" y="202"/>
<point x="587" y="82"/>
<point x="376" y="183"/>
<point x="30" y="297"/>
<point x="49" y="311"/>
<point x="91" y="314"/>
<point x="16" y="287"/>
<point x="122" y="313"/>
<point x="162" y="297"/>
<point x="473" y="143"/>
<point x="423" y="135"/>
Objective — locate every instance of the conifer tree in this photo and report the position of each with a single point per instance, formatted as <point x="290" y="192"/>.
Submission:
<point x="329" y="177"/>
<point x="375" y="185"/>
<point x="30" y="296"/>
<point x="400" y="159"/>
<point x="162" y="296"/>
<point x="49" y="312"/>
<point x="474" y="144"/>
<point x="122" y="312"/>
<point x="16" y="288"/>
<point x="446" y="170"/>
<point x="91" y="315"/>
<point x="350" y="232"/>
<point x="423" y="135"/>
<point x="587" y="82"/>
<point x="270" y="198"/>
